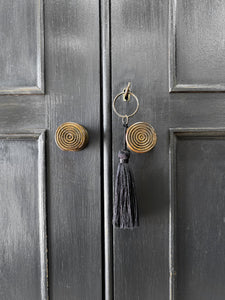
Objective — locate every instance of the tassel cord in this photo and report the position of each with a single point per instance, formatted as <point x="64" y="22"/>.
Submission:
<point x="125" y="131"/>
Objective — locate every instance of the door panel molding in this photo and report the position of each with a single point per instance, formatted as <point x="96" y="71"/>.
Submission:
<point x="201" y="71"/>
<point x="22" y="55"/>
<point x="193" y="232"/>
<point x="23" y="215"/>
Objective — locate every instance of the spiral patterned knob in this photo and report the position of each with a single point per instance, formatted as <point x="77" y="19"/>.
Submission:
<point x="141" y="137"/>
<point x="71" y="136"/>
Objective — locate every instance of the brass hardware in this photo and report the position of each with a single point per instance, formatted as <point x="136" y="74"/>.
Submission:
<point x="71" y="136"/>
<point x="125" y="116"/>
<point x="141" y="137"/>
<point x="126" y="95"/>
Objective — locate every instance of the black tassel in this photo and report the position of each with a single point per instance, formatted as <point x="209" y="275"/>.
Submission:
<point x="125" y="209"/>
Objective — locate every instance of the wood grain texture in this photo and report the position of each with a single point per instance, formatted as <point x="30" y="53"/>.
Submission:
<point x="23" y="112"/>
<point x="72" y="64"/>
<point x="139" y="56"/>
<point x="74" y="191"/>
<point x="23" y="216"/>
<point x="196" y="46"/>
<point x="197" y="166"/>
<point x="134" y="48"/>
<point x="22" y="55"/>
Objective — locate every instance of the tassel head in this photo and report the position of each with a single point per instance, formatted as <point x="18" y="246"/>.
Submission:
<point x="124" y="156"/>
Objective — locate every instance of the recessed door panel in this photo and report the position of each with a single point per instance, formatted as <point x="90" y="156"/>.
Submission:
<point x="197" y="45"/>
<point x="23" y="233"/>
<point x="197" y="215"/>
<point x="21" y="54"/>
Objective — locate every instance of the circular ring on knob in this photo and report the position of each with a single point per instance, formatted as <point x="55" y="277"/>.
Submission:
<point x="141" y="137"/>
<point x="133" y="113"/>
<point x="71" y="136"/>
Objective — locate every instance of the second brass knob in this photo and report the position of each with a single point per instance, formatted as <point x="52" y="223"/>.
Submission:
<point x="141" y="137"/>
<point x="71" y="136"/>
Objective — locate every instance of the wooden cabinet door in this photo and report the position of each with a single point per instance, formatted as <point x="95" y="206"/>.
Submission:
<point x="64" y="61"/>
<point x="50" y="200"/>
<point x="173" y="53"/>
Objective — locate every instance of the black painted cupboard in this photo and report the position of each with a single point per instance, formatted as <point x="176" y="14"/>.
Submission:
<point x="65" y="61"/>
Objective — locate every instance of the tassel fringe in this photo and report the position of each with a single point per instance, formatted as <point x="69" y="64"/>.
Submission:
<point x="125" y="209"/>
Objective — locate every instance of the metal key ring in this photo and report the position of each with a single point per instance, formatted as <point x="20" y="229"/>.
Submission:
<point x="125" y="116"/>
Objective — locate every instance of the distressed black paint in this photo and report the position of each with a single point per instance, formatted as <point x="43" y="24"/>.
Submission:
<point x="134" y="47"/>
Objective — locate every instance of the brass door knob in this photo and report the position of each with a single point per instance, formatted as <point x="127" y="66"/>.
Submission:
<point x="141" y="137"/>
<point x="71" y="136"/>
